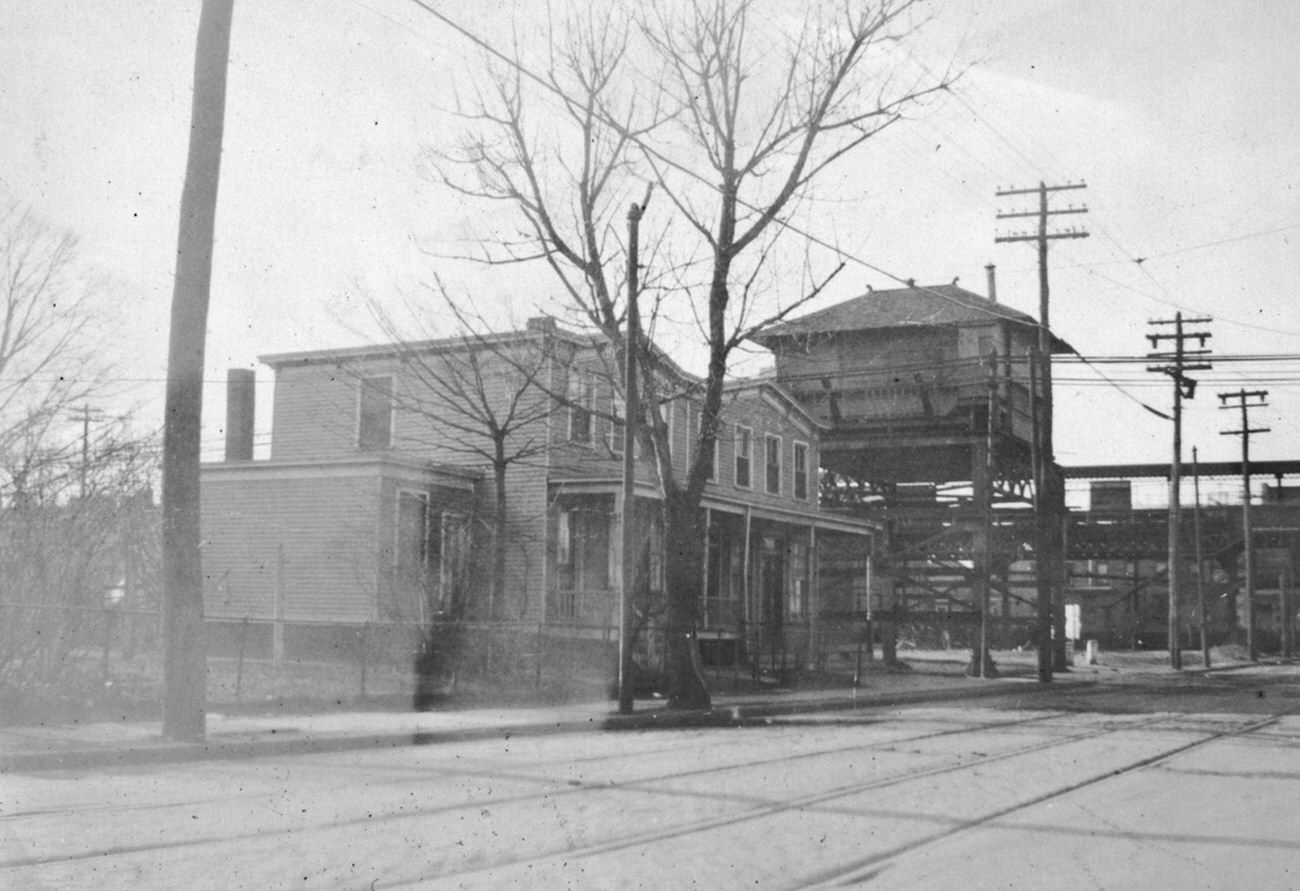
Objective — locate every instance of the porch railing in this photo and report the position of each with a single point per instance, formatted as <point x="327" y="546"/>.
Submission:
<point x="579" y="606"/>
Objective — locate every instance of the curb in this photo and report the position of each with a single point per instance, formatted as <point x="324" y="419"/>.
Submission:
<point x="292" y="743"/>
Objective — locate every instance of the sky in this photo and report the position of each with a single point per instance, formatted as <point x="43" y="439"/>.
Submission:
<point x="1180" y="116"/>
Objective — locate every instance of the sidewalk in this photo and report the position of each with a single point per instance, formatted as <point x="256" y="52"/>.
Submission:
<point x="118" y="744"/>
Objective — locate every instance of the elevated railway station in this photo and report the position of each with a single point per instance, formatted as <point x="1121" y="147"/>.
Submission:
<point x="935" y="404"/>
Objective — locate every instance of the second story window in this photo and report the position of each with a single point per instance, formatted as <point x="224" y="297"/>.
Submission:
<point x="744" y="456"/>
<point x="772" y="463"/>
<point x="375" y="413"/>
<point x="801" y="471"/>
<point x="580" y="395"/>
<point x="618" y="429"/>
<point x="694" y="424"/>
<point x="711" y="461"/>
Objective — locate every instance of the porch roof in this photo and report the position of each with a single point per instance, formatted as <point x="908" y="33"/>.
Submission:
<point x="807" y="516"/>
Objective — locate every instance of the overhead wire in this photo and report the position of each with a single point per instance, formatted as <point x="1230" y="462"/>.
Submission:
<point x="1128" y="257"/>
<point x="836" y="249"/>
<point x="694" y="175"/>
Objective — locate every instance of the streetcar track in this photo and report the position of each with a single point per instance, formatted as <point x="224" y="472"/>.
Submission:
<point x="770" y="808"/>
<point x="866" y="868"/>
<point x="561" y="788"/>
<point x="485" y="768"/>
<point x="647" y="785"/>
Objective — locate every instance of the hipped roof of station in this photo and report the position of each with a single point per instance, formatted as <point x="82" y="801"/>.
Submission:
<point x="916" y="306"/>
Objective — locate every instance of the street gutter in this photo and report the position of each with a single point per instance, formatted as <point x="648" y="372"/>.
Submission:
<point x="291" y="741"/>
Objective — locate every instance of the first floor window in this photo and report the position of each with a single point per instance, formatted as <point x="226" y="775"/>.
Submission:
<point x="412" y="533"/>
<point x="582" y="551"/>
<point x="411" y="552"/>
<point x="797" y="595"/>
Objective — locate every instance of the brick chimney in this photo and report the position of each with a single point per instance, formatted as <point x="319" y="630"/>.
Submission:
<point x="993" y="282"/>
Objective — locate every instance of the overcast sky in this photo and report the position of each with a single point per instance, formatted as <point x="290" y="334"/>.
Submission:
<point x="1181" y="116"/>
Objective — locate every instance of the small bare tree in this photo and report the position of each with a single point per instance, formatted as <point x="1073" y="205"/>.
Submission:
<point x="486" y="402"/>
<point x="733" y="109"/>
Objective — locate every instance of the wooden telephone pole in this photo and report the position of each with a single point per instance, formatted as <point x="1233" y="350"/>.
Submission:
<point x="632" y="416"/>
<point x="1049" y="485"/>
<point x="1245" y="401"/>
<point x="85" y="416"/>
<point x="1176" y="364"/>
<point x="184" y="665"/>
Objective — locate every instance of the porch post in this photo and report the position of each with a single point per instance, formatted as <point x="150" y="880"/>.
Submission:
<point x="704" y="582"/>
<point x="814" y="599"/>
<point x="744" y="582"/>
<point x="546" y="560"/>
<point x="627" y="573"/>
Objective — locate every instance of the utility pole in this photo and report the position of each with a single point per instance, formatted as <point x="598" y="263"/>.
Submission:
<point x="982" y="665"/>
<point x="632" y="414"/>
<point x="1245" y="401"/>
<point x="1049" y="548"/>
<point x="85" y="416"/>
<point x="1176" y="364"/>
<point x="1201" y="605"/>
<point x="184" y="664"/>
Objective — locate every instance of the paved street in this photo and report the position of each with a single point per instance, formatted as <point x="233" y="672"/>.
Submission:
<point x="1113" y="787"/>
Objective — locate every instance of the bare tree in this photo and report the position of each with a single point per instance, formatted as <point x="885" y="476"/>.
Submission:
<point x="733" y="110"/>
<point x="66" y="502"/>
<point x="46" y="364"/>
<point x="78" y="552"/>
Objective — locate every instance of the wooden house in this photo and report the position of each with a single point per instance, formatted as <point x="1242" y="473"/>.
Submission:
<point x="379" y="500"/>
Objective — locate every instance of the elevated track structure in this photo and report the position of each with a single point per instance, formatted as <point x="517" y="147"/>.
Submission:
<point x="933" y="405"/>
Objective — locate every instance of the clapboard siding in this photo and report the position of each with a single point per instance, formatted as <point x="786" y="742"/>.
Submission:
<point x="526" y="541"/>
<point x="316" y="533"/>
<point x="315" y="413"/>
<point x="764" y="415"/>
<point x="314" y="538"/>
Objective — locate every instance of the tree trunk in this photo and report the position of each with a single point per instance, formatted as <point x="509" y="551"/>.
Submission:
<point x="496" y="607"/>
<point x="684" y="541"/>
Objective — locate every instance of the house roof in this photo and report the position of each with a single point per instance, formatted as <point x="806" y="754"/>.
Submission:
<point x="765" y="384"/>
<point x="537" y="328"/>
<point x="910" y="307"/>
<point x="398" y="349"/>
